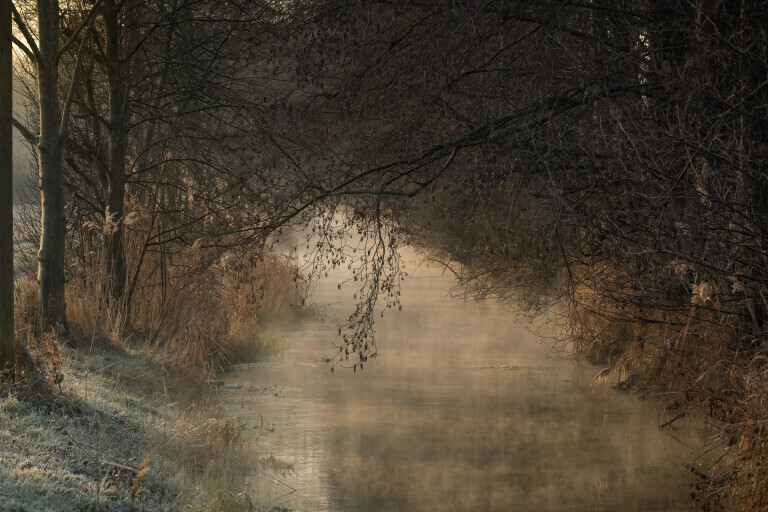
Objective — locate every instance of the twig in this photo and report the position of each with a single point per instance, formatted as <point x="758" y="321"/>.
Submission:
<point x="283" y="483"/>
<point x="96" y="459"/>
<point x="446" y="265"/>
<point x="670" y="422"/>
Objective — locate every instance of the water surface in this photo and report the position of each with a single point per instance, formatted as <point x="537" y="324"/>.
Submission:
<point x="465" y="409"/>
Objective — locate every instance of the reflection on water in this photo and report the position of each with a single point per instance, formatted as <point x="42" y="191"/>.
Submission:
<point x="463" y="410"/>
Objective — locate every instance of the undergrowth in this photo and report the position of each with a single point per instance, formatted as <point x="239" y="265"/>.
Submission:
<point x="695" y="364"/>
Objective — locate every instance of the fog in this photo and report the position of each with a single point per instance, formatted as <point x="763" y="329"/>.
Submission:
<point x="465" y="409"/>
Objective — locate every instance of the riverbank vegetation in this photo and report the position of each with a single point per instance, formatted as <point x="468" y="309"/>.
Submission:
<point x="606" y="159"/>
<point x="123" y="418"/>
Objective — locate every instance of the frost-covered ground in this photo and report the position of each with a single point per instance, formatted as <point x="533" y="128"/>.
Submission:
<point x="81" y="448"/>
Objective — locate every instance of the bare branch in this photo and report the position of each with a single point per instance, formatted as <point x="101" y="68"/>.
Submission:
<point x="87" y="22"/>
<point x="28" y="135"/>
<point x="32" y="45"/>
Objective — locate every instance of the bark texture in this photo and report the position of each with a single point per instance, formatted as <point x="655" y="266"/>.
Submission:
<point x="6" y="190"/>
<point x="116" y="264"/>
<point x="50" y="270"/>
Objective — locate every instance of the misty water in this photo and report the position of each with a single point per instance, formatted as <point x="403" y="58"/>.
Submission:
<point x="465" y="409"/>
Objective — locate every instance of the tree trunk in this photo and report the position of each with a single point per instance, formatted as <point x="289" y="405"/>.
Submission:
<point x="116" y="264"/>
<point x="50" y="269"/>
<point x="6" y="190"/>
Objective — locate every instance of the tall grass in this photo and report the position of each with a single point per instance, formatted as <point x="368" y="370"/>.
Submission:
<point x="188" y="314"/>
<point x="697" y="361"/>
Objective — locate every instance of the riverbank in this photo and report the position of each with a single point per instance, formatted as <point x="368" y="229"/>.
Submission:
<point x="120" y="431"/>
<point x="126" y="418"/>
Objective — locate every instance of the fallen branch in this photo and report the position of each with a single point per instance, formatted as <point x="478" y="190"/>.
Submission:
<point x="96" y="459"/>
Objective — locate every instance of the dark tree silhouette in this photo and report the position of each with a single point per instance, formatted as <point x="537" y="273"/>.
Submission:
<point x="6" y="190"/>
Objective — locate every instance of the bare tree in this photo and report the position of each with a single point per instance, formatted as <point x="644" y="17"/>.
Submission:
<point x="610" y="158"/>
<point x="162" y="106"/>
<point x="46" y="51"/>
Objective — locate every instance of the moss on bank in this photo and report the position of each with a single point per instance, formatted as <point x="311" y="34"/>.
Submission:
<point x="117" y="411"/>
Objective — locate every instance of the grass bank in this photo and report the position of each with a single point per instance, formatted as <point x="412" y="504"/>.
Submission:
<point x="123" y="418"/>
<point x="118" y="432"/>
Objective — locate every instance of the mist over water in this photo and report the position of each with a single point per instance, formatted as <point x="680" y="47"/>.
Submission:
<point x="464" y="409"/>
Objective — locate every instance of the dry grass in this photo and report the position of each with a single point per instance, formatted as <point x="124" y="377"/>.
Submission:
<point x="196" y="319"/>
<point x="698" y="364"/>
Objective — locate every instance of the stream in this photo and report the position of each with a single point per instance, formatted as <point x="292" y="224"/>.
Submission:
<point x="465" y="409"/>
